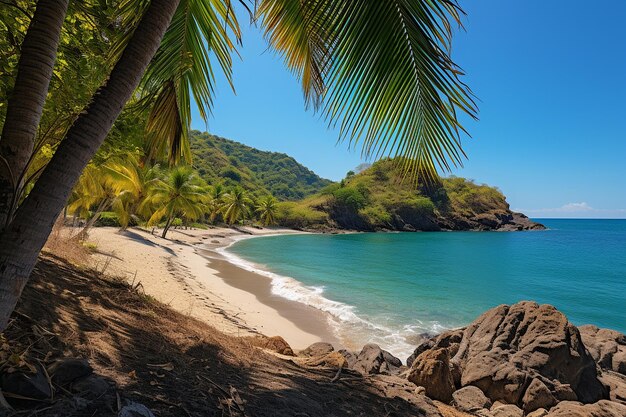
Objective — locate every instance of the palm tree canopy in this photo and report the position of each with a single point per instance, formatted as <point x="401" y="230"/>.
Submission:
<point x="180" y="193"/>
<point x="381" y="70"/>
<point x="267" y="209"/>
<point x="236" y="205"/>
<point x="200" y="30"/>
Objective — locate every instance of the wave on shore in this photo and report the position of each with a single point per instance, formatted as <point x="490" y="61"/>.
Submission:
<point x="351" y="329"/>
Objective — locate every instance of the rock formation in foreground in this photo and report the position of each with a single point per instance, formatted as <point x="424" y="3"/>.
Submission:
<point x="529" y="359"/>
<point x="513" y="361"/>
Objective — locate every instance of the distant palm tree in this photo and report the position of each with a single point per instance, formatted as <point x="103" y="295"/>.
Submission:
<point x="236" y="205"/>
<point x="215" y="203"/>
<point x="266" y="209"/>
<point x="180" y="194"/>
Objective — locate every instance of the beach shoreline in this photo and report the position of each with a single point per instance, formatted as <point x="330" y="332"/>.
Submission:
<point x="189" y="272"/>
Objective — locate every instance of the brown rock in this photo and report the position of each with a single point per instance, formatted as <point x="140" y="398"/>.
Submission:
<point x="602" y="408"/>
<point x="373" y="360"/>
<point x="431" y="370"/>
<point x="505" y="348"/>
<point x="349" y="356"/>
<point x="607" y="347"/>
<point x="470" y="399"/>
<point x="275" y="344"/>
<point x="317" y="349"/>
<point x="617" y="386"/>
<point x="563" y="392"/>
<point x="449" y="339"/>
<point x="506" y="410"/>
<point x="540" y="412"/>
<point x="537" y="396"/>
<point x="66" y="370"/>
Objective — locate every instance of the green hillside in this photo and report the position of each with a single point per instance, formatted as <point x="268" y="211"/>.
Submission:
<point x="231" y="163"/>
<point x="377" y="199"/>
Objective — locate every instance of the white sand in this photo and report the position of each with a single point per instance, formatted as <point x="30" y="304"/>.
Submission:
<point x="171" y="271"/>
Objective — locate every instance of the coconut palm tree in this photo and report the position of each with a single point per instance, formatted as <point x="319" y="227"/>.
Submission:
<point x="131" y="183"/>
<point x="236" y="205"/>
<point x="215" y="202"/>
<point x="266" y="209"/>
<point x="180" y="194"/>
<point x="26" y="102"/>
<point x="379" y="70"/>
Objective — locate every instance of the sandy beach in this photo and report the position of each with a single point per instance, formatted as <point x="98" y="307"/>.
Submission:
<point x="187" y="272"/>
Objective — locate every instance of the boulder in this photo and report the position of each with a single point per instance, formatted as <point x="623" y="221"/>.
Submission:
<point x="470" y="399"/>
<point x="508" y="346"/>
<point x="540" y="412"/>
<point x="349" y="356"/>
<point x="601" y="408"/>
<point x="617" y="386"/>
<point x="275" y="344"/>
<point x="66" y="370"/>
<point x="607" y="347"/>
<point x="537" y="396"/>
<point x="134" y="409"/>
<point x="317" y="349"/>
<point x="431" y="370"/>
<point x="449" y="339"/>
<point x="373" y="360"/>
<point x="91" y="387"/>
<point x="29" y="385"/>
<point x="506" y="410"/>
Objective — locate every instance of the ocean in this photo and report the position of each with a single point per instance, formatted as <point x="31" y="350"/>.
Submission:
<point x="388" y="288"/>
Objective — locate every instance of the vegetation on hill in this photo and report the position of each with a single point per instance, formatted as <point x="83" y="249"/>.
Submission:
<point x="231" y="163"/>
<point x="378" y="198"/>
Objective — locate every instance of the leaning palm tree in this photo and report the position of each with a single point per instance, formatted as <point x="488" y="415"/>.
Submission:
<point x="379" y="70"/>
<point x="236" y="205"/>
<point x="180" y="194"/>
<point x="130" y="182"/>
<point x="266" y="209"/>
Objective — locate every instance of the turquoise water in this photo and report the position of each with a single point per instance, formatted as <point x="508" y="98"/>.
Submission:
<point x="389" y="287"/>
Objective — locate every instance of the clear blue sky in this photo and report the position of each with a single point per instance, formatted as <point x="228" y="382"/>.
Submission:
<point x="549" y="76"/>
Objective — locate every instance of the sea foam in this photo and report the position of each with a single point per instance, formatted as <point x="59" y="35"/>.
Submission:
<point x="348" y="326"/>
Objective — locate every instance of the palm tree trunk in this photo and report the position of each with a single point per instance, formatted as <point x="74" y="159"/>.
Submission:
<point x="25" y="105"/>
<point x="166" y="227"/>
<point x="23" y="239"/>
<point x="168" y="223"/>
<point x="82" y="235"/>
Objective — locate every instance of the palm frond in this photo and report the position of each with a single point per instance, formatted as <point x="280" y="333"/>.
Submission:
<point x="200" y="30"/>
<point x="382" y="72"/>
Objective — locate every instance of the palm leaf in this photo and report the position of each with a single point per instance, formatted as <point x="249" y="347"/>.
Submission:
<point x="381" y="71"/>
<point x="199" y="30"/>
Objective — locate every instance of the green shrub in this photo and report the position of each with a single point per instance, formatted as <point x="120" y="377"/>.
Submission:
<point x="107" y="219"/>
<point x="354" y="198"/>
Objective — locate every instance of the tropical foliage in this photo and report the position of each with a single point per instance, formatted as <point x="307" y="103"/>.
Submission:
<point x="378" y="198"/>
<point x="220" y="160"/>
<point x="88" y="81"/>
